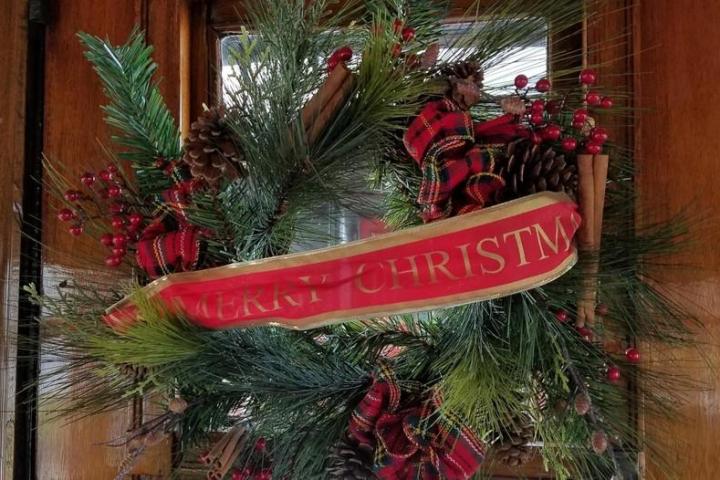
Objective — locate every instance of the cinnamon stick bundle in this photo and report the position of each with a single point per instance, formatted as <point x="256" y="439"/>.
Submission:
<point x="592" y="173"/>
<point x="320" y="110"/>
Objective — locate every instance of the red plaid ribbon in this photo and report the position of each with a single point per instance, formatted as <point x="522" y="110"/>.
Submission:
<point x="170" y="244"/>
<point x="416" y="442"/>
<point x="457" y="170"/>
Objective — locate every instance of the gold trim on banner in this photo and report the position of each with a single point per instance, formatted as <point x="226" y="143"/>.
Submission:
<point x="379" y="242"/>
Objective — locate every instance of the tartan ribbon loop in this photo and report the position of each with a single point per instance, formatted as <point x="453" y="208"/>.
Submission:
<point x="413" y="439"/>
<point x="455" y="160"/>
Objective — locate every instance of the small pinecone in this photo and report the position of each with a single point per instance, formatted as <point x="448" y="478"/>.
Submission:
<point x="513" y="448"/>
<point x="463" y="70"/>
<point x="210" y="152"/>
<point x="529" y="168"/>
<point x="465" y="81"/>
<point x="348" y="462"/>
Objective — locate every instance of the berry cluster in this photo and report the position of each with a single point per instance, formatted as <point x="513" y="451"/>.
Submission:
<point x="259" y="471"/>
<point x="549" y="118"/>
<point x="104" y="198"/>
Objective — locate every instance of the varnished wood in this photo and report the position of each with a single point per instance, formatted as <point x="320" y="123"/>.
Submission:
<point x="13" y="51"/>
<point x="677" y="156"/>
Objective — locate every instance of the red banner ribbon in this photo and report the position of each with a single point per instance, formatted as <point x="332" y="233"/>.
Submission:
<point x="481" y="255"/>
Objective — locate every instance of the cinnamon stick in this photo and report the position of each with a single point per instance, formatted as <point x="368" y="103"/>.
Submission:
<point x="600" y="172"/>
<point x="335" y="80"/>
<point x="323" y="119"/>
<point x="586" y="238"/>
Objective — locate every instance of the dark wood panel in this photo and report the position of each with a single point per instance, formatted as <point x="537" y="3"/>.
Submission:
<point x="13" y="50"/>
<point x="677" y="156"/>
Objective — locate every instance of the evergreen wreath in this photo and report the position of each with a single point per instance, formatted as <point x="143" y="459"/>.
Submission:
<point x="321" y="120"/>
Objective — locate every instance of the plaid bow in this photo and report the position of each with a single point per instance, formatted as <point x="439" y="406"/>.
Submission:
<point x="457" y="170"/>
<point x="170" y="243"/>
<point x="415" y="442"/>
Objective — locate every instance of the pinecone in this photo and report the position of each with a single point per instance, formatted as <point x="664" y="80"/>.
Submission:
<point x="465" y="80"/>
<point x="349" y="462"/>
<point x="210" y="152"/>
<point x="513" y="447"/>
<point x="529" y="168"/>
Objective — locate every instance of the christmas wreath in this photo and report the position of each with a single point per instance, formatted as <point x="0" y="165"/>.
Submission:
<point x="475" y="329"/>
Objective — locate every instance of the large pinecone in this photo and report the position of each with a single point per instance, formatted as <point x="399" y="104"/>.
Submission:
<point x="513" y="446"/>
<point x="465" y="81"/>
<point x="210" y="152"/>
<point x="349" y="462"/>
<point x="529" y="168"/>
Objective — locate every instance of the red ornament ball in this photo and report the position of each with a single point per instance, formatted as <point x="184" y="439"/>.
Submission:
<point x="343" y="54"/>
<point x="106" y="239"/>
<point x="76" y="230"/>
<point x="607" y="102"/>
<point x="561" y="316"/>
<point x="119" y="240"/>
<point x="537" y="118"/>
<point x="569" y="144"/>
<point x="117" y="222"/>
<point x="521" y="81"/>
<point x="552" y="133"/>
<point x="632" y="355"/>
<point x="87" y="179"/>
<point x="543" y="85"/>
<point x="538" y="106"/>
<point x="113" y="261"/>
<point x="105" y="175"/>
<point x="72" y="195"/>
<point x="585" y="333"/>
<point x="593" y="98"/>
<point x="114" y="191"/>
<point x="588" y="77"/>
<point x="593" y="149"/>
<point x="261" y="445"/>
<point x="65" y="215"/>
<point x="613" y="373"/>
<point x="408" y="33"/>
<point x="580" y="115"/>
<point x="599" y="135"/>
<point x="135" y="218"/>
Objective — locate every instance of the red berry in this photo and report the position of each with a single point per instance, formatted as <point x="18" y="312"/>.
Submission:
<point x="106" y="239"/>
<point x="72" y="195"/>
<point x="87" y="178"/>
<point x="521" y="81"/>
<point x="588" y="77"/>
<point x="613" y="373"/>
<point x="117" y="222"/>
<point x="105" y="175"/>
<point x="536" y="138"/>
<point x="119" y="240"/>
<point x="117" y="208"/>
<point x="553" y="107"/>
<point x="537" y="118"/>
<point x="112" y="169"/>
<point x="578" y="125"/>
<point x="607" y="102"/>
<point x="585" y="333"/>
<point x="598" y="135"/>
<point x="76" y="230"/>
<point x="261" y="444"/>
<point x="580" y="115"/>
<point x="114" y="191"/>
<point x="543" y="85"/>
<point x="343" y="54"/>
<point x="135" y="218"/>
<point x="552" y="133"/>
<point x="119" y="251"/>
<point x="561" y="316"/>
<point x="65" y="214"/>
<point x="569" y="144"/>
<point x="408" y="33"/>
<point x="632" y="355"/>
<point x="113" y="261"/>
<point x="593" y="149"/>
<point x="397" y="25"/>
<point x="538" y="106"/>
<point x="396" y="50"/>
<point x="593" y="98"/>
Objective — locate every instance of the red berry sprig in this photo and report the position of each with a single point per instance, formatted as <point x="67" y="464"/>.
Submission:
<point x="613" y="374"/>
